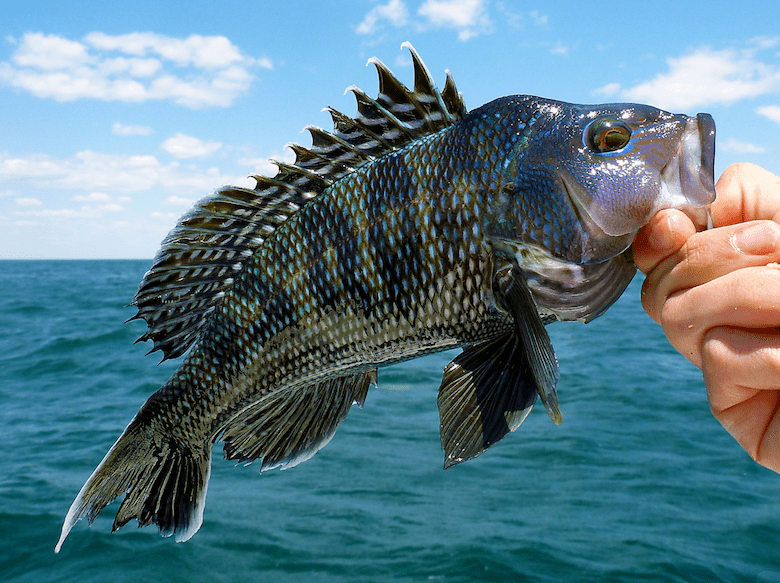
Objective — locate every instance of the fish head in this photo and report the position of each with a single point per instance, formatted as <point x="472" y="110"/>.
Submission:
<point x="600" y="172"/>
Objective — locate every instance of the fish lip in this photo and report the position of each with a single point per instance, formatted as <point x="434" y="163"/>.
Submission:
<point x="688" y="178"/>
<point x="707" y="137"/>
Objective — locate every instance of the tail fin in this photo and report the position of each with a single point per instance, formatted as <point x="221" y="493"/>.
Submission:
<point x="165" y="483"/>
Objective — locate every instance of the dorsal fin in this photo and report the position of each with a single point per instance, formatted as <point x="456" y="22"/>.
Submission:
<point x="207" y="250"/>
<point x="202" y="256"/>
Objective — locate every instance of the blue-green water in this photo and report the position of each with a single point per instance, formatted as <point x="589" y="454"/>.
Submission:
<point x="640" y="483"/>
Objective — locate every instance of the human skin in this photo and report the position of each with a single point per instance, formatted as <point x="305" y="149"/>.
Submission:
<point x="716" y="294"/>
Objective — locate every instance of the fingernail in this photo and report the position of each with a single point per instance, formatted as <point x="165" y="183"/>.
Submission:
<point x="760" y="239"/>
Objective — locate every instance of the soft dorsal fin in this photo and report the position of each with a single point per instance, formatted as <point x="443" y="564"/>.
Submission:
<point x="207" y="250"/>
<point x="202" y="255"/>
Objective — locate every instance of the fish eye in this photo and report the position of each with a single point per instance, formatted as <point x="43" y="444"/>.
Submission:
<point x="606" y="135"/>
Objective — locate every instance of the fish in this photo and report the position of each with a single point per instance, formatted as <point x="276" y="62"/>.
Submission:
<point x="416" y="226"/>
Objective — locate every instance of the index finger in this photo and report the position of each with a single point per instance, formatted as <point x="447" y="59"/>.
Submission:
<point x="746" y="192"/>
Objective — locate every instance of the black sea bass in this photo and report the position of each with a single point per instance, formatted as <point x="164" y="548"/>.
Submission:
<point x="415" y="227"/>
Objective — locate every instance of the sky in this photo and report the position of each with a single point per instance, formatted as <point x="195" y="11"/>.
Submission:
<point x="116" y="117"/>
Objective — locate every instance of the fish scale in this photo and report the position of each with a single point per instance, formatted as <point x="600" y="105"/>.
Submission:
<point x="412" y="228"/>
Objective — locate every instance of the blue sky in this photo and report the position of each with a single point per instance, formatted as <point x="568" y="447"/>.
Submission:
<point x="115" y="117"/>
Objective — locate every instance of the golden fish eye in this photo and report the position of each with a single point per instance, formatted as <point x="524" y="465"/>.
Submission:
<point x="608" y="136"/>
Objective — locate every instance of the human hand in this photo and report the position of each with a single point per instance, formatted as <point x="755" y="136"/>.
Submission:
<point x="717" y="296"/>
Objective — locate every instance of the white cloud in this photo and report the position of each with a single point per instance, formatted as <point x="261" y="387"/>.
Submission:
<point x="87" y="209"/>
<point x="49" y="213"/>
<point x="179" y="201"/>
<point x="735" y="146"/>
<point x="92" y="197"/>
<point x="184" y="147"/>
<point x="119" y="129"/>
<point x="539" y="19"/>
<point x="765" y="42"/>
<point x="28" y="202"/>
<point x="705" y="77"/>
<point x="197" y="71"/>
<point x="94" y="171"/>
<point x="468" y="17"/>
<point x="770" y="111"/>
<point x="609" y="90"/>
<point x="261" y="166"/>
<point x="394" y="11"/>
<point x="97" y="204"/>
<point x="50" y="53"/>
<point x="203" y="52"/>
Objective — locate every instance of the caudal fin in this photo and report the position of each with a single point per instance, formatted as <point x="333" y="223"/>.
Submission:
<point x="165" y="484"/>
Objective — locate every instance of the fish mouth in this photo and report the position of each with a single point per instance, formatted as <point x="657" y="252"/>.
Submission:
<point x="688" y="179"/>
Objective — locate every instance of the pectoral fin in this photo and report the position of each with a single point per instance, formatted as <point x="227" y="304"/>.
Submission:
<point x="512" y="293"/>
<point x="490" y="388"/>
<point x="486" y="392"/>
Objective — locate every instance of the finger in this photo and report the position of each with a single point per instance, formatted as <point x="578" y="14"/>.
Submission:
<point x="742" y="376"/>
<point x="708" y="255"/>
<point x="745" y="192"/>
<point x="743" y="360"/>
<point x="746" y="298"/>
<point x="661" y="237"/>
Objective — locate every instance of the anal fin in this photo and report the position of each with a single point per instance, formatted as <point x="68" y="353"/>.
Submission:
<point x="486" y="392"/>
<point x="290" y="426"/>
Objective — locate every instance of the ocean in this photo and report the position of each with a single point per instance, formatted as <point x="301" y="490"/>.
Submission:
<point x="639" y="483"/>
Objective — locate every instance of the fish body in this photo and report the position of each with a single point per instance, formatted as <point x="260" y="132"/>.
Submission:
<point x="412" y="228"/>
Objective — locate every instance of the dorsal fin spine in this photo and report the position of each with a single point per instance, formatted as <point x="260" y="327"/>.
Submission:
<point x="265" y="182"/>
<point x="325" y="143"/>
<point x="411" y="100"/>
<point x="291" y="170"/>
<point x="321" y="163"/>
<point x="203" y="255"/>
<point x="366" y="104"/>
<point x="343" y="124"/>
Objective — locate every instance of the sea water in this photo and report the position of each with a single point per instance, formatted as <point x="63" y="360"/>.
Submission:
<point x="640" y="483"/>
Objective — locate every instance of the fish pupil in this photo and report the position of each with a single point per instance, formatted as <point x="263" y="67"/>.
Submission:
<point x="614" y="140"/>
<point x="608" y="136"/>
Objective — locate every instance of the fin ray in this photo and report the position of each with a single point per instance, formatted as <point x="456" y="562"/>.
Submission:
<point x="207" y="250"/>
<point x="290" y="426"/>
<point x="512" y="291"/>
<point x="165" y="484"/>
<point x="486" y="392"/>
